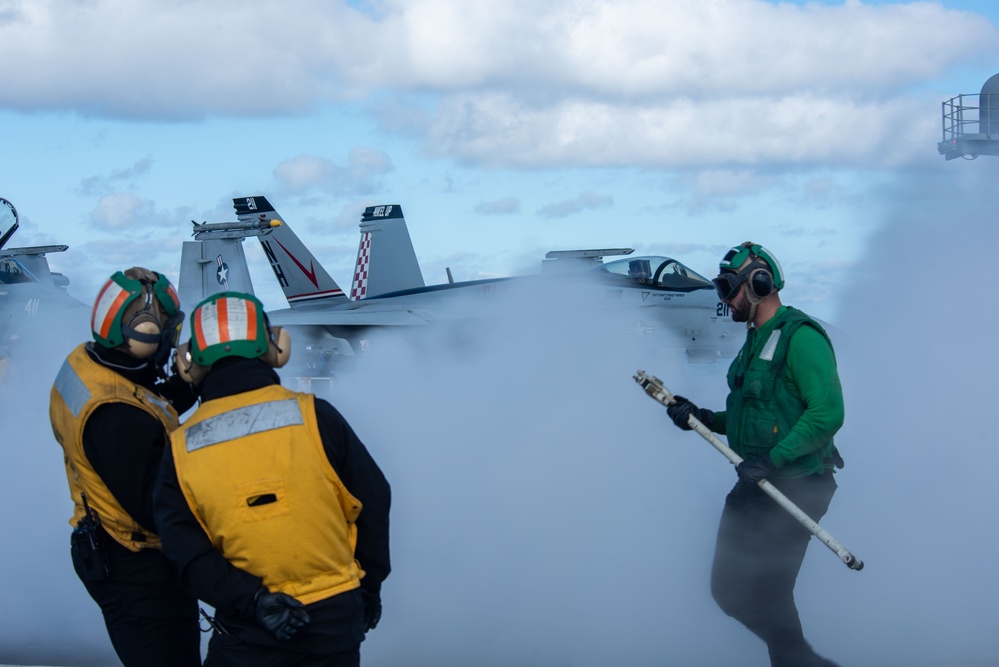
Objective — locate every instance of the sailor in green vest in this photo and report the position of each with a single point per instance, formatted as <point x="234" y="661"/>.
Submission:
<point x="784" y="406"/>
<point x="112" y="410"/>
<point x="269" y="505"/>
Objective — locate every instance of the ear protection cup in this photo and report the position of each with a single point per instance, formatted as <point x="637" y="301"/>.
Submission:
<point x="761" y="283"/>
<point x="278" y="348"/>
<point x="139" y="332"/>
<point x="189" y="371"/>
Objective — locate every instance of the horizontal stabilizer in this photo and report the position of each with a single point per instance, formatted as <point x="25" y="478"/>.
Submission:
<point x="35" y="250"/>
<point x="578" y="260"/>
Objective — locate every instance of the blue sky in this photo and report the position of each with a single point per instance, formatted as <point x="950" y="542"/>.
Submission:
<point x="504" y="129"/>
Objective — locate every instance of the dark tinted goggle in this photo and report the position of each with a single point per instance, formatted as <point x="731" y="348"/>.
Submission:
<point x="727" y="284"/>
<point x="171" y="328"/>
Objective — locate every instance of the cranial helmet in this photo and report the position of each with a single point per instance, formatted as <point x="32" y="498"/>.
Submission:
<point x="230" y="324"/>
<point x="753" y="264"/>
<point x="138" y="311"/>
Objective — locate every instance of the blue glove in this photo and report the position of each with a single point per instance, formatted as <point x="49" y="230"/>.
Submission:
<point x="681" y="408"/>
<point x="279" y="614"/>
<point x="753" y="470"/>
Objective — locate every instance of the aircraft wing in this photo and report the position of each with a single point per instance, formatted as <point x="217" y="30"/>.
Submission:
<point x="361" y="317"/>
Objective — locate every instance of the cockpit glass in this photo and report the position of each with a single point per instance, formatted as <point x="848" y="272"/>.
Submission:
<point x="8" y="221"/>
<point x="13" y="272"/>
<point x="7" y="217"/>
<point x="661" y="272"/>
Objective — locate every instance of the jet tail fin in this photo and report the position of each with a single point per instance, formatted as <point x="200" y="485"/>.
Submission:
<point x="386" y="261"/>
<point x="211" y="265"/>
<point x="305" y="282"/>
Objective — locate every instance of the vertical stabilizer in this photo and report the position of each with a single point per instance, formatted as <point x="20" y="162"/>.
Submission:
<point x="305" y="282"/>
<point x="386" y="261"/>
<point x="210" y="266"/>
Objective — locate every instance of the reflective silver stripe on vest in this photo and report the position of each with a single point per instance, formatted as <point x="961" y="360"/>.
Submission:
<point x="69" y="385"/>
<point x="768" y="350"/>
<point x="162" y="405"/>
<point x="242" y="422"/>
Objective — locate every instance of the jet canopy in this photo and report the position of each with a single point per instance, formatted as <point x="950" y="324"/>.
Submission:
<point x="13" y="272"/>
<point x="8" y="221"/>
<point x="658" y="272"/>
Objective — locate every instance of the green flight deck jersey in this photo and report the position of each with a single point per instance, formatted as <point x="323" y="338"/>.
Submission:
<point x="785" y="398"/>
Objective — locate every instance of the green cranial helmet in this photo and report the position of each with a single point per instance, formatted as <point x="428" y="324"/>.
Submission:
<point x="228" y="324"/>
<point x="136" y="306"/>
<point x="736" y="259"/>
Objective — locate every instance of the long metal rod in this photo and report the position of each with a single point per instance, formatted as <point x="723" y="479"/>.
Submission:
<point x="653" y="386"/>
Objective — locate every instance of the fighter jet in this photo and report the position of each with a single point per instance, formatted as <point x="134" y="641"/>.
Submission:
<point x="30" y="294"/>
<point x="658" y="300"/>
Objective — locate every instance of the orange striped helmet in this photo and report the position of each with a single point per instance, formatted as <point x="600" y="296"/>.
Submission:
<point x="134" y="292"/>
<point x="228" y="324"/>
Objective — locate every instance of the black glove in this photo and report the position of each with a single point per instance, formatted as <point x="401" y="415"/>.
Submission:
<point x="681" y="408"/>
<point x="754" y="470"/>
<point x="372" y="608"/>
<point x="279" y="614"/>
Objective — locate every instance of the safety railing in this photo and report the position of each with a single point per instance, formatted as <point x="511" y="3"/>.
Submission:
<point x="971" y="114"/>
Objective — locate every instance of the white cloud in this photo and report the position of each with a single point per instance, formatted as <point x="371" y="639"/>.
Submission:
<point x="304" y="48"/>
<point x="514" y="83"/>
<point x="305" y="171"/>
<point x="650" y="48"/>
<point x="585" y="201"/>
<point x="309" y="173"/>
<point x="718" y="189"/>
<point x="366" y="165"/>
<point x="504" y="206"/>
<point x="120" y="211"/>
<point x="100" y="184"/>
<point x="798" y="130"/>
<point x="131" y="231"/>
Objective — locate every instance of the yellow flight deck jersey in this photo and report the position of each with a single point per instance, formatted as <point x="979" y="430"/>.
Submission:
<point x="254" y="472"/>
<point x="81" y="386"/>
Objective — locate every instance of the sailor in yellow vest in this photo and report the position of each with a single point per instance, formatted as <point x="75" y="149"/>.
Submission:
<point x="269" y="505"/>
<point x="112" y="409"/>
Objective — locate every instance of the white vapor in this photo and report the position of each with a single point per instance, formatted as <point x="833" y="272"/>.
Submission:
<point x="47" y="616"/>
<point x="917" y="493"/>
<point x="546" y="512"/>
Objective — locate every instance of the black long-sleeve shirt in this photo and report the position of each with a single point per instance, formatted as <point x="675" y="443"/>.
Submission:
<point x="123" y="443"/>
<point x="230" y="590"/>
